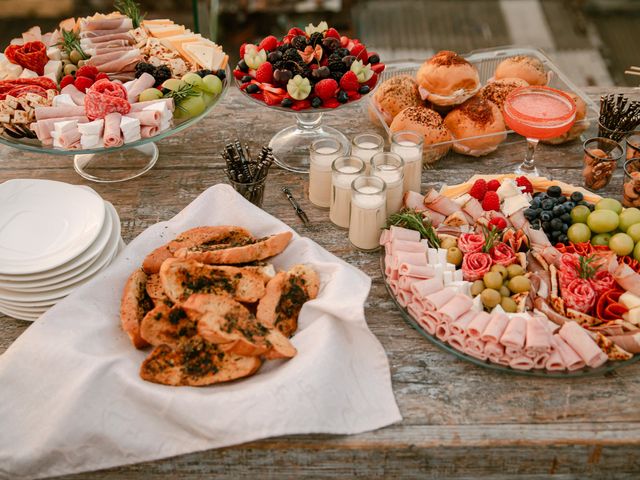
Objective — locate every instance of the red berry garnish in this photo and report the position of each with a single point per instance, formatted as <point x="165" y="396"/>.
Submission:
<point x="326" y="89"/>
<point x="491" y="201"/>
<point x="498" y="222"/>
<point x="101" y="76"/>
<point x="349" y="82"/>
<point x="493" y="185"/>
<point x="524" y="182"/>
<point x="264" y="73"/>
<point x="88" y="71"/>
<point x="332" y="32"/>
<point x="478" y="189"/>
<point x="269" y="43"/>
<point x="82" y="83"/>
<point x="66" y="80"/>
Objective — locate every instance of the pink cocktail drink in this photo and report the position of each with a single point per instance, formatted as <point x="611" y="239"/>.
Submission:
<point x="538" y="113"/>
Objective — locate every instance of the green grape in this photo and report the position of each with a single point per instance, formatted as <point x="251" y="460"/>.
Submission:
<point x="634" y="232"/>
<point x="601" y="239"/>
<point x="193" y="79"/>
<point x="636" y="252"/>
<point x="212" y="84"/>
<point x="621" y="244"/>
<point x="609" y="204"/>
<point x="191" y="107"/>
<point x="579" y="232"/>
<point x="580" y="214"/>
<point x="519" y="284"/>
<point x="493" y="280"/>
<point x="628" y="217"/>
<point x="150" y="94"/>
<point x="602" y="221"/>
<point x="173" y="84"/>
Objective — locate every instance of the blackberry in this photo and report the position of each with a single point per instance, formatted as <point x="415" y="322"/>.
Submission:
<point x="143" y="67"/>
<point x="299" y="42"/>
<point x="316" y="38"/>
<point x="316" y="102"/>
<point x="221" y="74"/>
<point x="330" y="44"/>
<point x="348" y="60"/>
<point x="279" y="65"/>
<point x="343" y="52"/>
<point x="337" y="76"/>
<point x="203" y="73"/>
<point x="338" y="66"/>
<point x="283" y="48"/>
<point x="292" y="55"/>
<point x="161" y="74"/>
<point x="334" y="57"/>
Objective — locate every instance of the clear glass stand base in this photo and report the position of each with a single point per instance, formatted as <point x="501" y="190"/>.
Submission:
<point x="118" y="166"/>
<point x="530" y="172"/>
<point x="291" y="145"/>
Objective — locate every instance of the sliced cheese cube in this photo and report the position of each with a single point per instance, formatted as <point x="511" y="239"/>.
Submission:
<point x="633" y="316"/>
<point x="512" y="204"/>
<point x="461" y="286"/>
<point x="207" y="55"/>
<point x="629" y="300"/>
<point x="53" y="68"/>
<point x="26" y="73"/>
<point x="63" y="126"/>
<point x="54" y="53"/>
<point x="162" y="31"/>
<point x="447" y="277"/>
<point x="91" y="141"/>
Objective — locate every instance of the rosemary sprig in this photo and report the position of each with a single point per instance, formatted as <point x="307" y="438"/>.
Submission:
<point x="181" y="94"/>
<point x="71" y="41"/>
<point x="490" y="238"/>
<point x="131" y="9"/>
<point x="414" y="220"/>
<point x="585" y="269"/>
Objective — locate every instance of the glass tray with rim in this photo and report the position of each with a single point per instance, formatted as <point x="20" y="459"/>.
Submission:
<point x="291" y="144"/>
<point x="117" y="164"/>
<point x="582" y="373"/>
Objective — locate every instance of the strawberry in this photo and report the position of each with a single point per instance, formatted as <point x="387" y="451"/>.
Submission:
<point x="242" y="50"/>
<point x="272" y="98"/>
<point x="354" y="95"/>
<point x="82" y="83"/>
<point x="344" y="41"/>
<point x="66" y="80"/>
<point x="332" y="32"/>
<point x="295" y="31"/>
<point x="524" y="182"/>
<point x="478" y="189"/>
<point x="326" y="89"/>
<point x="101" y="76"/>
<point x="269" y="43"/>
<point x="330" y="103"/>
<point x="264" y="73"/>
<point x="378" y="67"/>
<point x="493" y="185"/>
<point x="491" y="201"/>
<point x="498" y="222"/>
<point x="87" y="71"/>
<point x="372" y="81"/>
<point x="238" y="74"/>
<point x="301" y="104"/>
<point x="349" y="82"/>
<point x="359" y="51"/>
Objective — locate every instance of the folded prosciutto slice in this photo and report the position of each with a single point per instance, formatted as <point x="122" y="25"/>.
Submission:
<point x="473" y="209"/>
<point x="439" y="203"/>
<point x="585" y="346"/>
<point x="570" y="358"/>
<point x="455" y="308"/>
<point x="514" y="334"/>
<point x="101" y="22"/>
<point x="413" y="200"/>
<point x="434" y="217"/>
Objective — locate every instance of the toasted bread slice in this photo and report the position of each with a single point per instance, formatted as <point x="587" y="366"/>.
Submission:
<point x="182" y="278"/>
<point x="222" y="320"/>
<point x="134" y="306"/>
<point x="167" y="325"/>
<point x="155" y="290"/>
<point x="250" y="252"/>
<point x="227" y="235"/>
<point x="285" y="295"/>
<point x="196" y="363"/>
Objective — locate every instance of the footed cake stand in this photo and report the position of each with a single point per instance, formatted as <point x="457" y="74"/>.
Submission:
<point x="291" y="144"/>
<point x="118" y="164"/>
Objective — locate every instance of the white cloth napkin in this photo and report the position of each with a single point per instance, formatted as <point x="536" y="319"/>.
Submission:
<point x="71" y="399"/>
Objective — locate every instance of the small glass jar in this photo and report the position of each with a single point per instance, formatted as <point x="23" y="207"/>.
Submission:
<point x="390" y="167"/>
<point x="617" y="135"/>
<point x="408" y="145"/>
<point x="322" y="153"/>
<point x="254" y="191"/>
<point x="344" y="171"/>
<point x="368" y="212"/>
<point x="365" y="146"/>
<point x="631" y="186"/>
<point x="633" y="145"/>
<point x="600" y="159"/>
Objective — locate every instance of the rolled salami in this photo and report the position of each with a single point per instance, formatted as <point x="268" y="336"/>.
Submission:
<point x="585" y="346"/>
<point x="570" y="358"/>
<point x="514" y="334"/>
<point x="455" y="307"/>
<point x="460" y="325"/>
<point x="478" y="324"/>
<point x="437" y="300"/>
<point x="495" y="328"/>
<point x="426" y="287"/>
<point x="112" y="133"/>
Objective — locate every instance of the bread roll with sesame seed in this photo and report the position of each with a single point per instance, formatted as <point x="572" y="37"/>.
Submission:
<point x="427" y="123"/>
<point x="529" y="69"/>
<point x="497" y="91"/>
<point x="396" y="94"/>
<point x="447" y="79"/>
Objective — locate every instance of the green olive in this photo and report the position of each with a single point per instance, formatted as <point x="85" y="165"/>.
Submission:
<point x="504" y="291"/>
<point x="519" y="284"/>
<point x="501" y="269"/>
<point x="477" y="287"/>
<point x="75" y="56"/>
<point x="508" y="305"/>
<point x="492" y="280"/>
<point x="448" y="242"/>
<point x="70" y="69"/>
<point x="490" y="297"/>
<point x="454" y="256"/>
<point x="514" y="270"/>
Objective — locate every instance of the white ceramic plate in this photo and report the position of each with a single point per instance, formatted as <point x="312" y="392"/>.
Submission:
<point x="44" y="224"/>
<point x="76" y="275"/>
<point x="29" y="317"/>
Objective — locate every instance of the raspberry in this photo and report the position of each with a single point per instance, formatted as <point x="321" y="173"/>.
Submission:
<point x="101" y="75"/>
<point x="264" y="73"/>
<point x="332" y="32"/>
<point x="66" y="80"/>
<point x="349" y="82"/>
<point x="478" y="189"/>
<point x="87" y="71"/>
<point x="296" y="31"/>
<point x="524" y="182"/>
<point x="493" y="185"/>
<point x="269" y="43"/>
<point x="360" y="52"/>
<point x="82" y="83"/>
<point x="326" y="89"/>
<point x="491" y="202"/>
<point x="498" y="222"/>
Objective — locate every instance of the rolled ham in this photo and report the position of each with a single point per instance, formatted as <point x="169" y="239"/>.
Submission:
<point x="400" y="233"/>
<point x="457" y="341"/>
<point x="426" y="287"/>
<point x="627" y="278"/>
<point x="398" y="245"/>
<point x="540" y="360"/>
<point x="555" y="362"/>
<point x="480" y="355"/>
<point x="141" y="83"/>
<point x="138" y="107"/>
<point x="437" y="300"/>
<point x="70" y="139"/>
<point x="385" y="235"/>
<point x="393" y="285"/>
<point x="571" y="359"/>
<point x="414" y="258"/>
<point x="405" y="283"/>
<point x="478" y="324"/>
<point x="404" y="297"/>
<point x="585" y="346"/>
<point x="116" y="62"/>
<point x="512" y="352"/>
<point x="417" y="271"/>
<point x="429" y="323"/>
<point x="65" y="111"/>
<point x="112" y="133"/>
<point x="538" y="338"/>
<point x="443" y="332"/>
<point x="441" y="204"/>
<point x="460" y="325"/>
<point x="455" y="308"/>
<point x="517" y="219"/>
<point x="494" y="351"/>
<point x="147" y="131"/>
<point x="475" y="344"/>
<point x="514" y="334"/>
<point x="415" y="310"/>
<point x="494" y="329"/>
<point x="43" y="128"/>
<point x="521" y="363"/>
<point x="76" y="95"/>
<point x="102" y="33"/>
<point x="413" y="200"/>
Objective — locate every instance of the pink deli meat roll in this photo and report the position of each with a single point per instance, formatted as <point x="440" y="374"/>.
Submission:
<point x="585" y="346"/>
<point x="495" y="328"/>
<point x="70" y="139"/>
<point x="513" y="351"/>
<point x="76" y="95"/>
<point x="475" y="353"/>
<point x="521" y="363"/>
<point x="426" y="287"/>
<point x="393" y="285"/>
<point x="112" y="133"/>
<point x="455" y="308"/>
<point x="475" y="344"/>
<point x="414" y="258"/>
<point x="417" y="271"/>
<point x="540" y="360"/>
<point x="443" y="332"/>
<point x="398" y="245"/>
<point x="147" y="131"/>
<point x="457" y="341"/>
<point x="404" y="297"/>
<point x="437" y="300"/>
<point x="494" y="352"/>
<point x="44" y="113"/>
<point x="405" y="282"/>
<point x="385" y="237"/>
<point x="538" y="339"/>
<point x="555" y="362"/>
<point x="460" y="325"/>
<point x="415" y="310"/>
<point x="514" y="334"/>
<point x="140" y="106"/>
<point x="399" y="233"/>
<point x="143" y="82"/>
<point x="569" y="356"/>
<point x="43" y="128"/>
<point x="428" y="323"/>
<point x="478" y="324"/>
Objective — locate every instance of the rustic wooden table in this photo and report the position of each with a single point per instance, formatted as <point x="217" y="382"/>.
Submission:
<point x="460" y="420"/>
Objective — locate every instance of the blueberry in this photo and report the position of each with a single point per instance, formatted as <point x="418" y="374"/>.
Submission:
<point x="547" y="204"/>
<point x="316" y="102"/>
<point x="546" y="216"/>
<point x="563" y="238"/>
<point x="576" y="197"/>
<point x="535" y="203"/>
<point x="569" y="206"/>
<point x="558" y="210"/>
<point x="546" y="226"/>
<point x="364" y="89"/>
<point x="242" y="66"/>
<point x="555" y="235"/>
<point x="221" y="74"/>
<point x="554" y="191"/>
<point x="287" y="103"/>
<point x="539" y="195"/>
<point x="565" y="228"/>
<point x="246" y="79"/>
<point x="582" y="202"/>
<point x="566" y="218"/>
<point x="373" y="59"/>
<point x="530" y="214"/>
<point x="343" y="97"/>
<point x="536" y="224"/>
<point x="556" y="224"/>
<point x="562" y="199"/>
<point x="253" y="88"/>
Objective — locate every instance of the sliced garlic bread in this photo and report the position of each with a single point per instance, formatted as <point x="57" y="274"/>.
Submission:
<point x="134" y="306"/>
<point x="167" y="325"/>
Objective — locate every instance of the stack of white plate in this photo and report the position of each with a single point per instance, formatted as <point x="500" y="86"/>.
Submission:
<point x="54" y="237"/>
